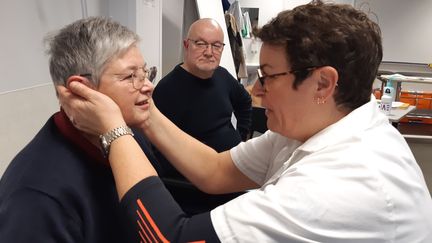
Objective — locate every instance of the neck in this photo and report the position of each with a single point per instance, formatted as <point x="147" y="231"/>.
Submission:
<point x="333" y="116"/>
<point x="196" y="72"/>
<point x="328" y="115"/>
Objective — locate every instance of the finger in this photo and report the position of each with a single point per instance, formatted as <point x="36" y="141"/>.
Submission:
<point x="62" y="92"/>
<point x="82" y="90"/>
<point x="64" y="96"/>
<point x="61" y="89"/>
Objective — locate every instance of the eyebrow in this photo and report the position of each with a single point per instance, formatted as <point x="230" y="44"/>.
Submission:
<point x="200" y="39"/>
<point x="264" y="65"/>
<point x="134" y="67"/>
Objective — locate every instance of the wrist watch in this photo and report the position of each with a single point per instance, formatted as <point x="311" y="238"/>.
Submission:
<point x="107" y="138"/>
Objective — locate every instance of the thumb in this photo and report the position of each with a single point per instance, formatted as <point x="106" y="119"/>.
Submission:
<point x="93" y="97"/>
<point x="82" y="90"/>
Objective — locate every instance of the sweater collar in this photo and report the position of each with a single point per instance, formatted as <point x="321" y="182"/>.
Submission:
<point x="74" y="136"/>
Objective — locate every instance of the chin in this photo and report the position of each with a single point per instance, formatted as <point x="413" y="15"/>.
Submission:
<point x="208" y="67"/>
<point x="136" y="121"/>
<point x="274" y="127"/>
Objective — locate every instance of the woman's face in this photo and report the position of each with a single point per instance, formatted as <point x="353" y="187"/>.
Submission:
<point x="289" y="111"/>
<point x="116" y="82"/>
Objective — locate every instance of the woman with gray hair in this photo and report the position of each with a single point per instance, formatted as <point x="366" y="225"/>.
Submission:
<point x="60" y="187"/>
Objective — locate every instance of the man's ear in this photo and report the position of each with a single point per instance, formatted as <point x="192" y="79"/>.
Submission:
<point x="80" y="79"/>
<point x="327" y="82"/>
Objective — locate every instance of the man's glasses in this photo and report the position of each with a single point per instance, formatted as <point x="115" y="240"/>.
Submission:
<point x="202" y="45"/>
<point x="262" y="77"/>
<point x="137" y="80"/>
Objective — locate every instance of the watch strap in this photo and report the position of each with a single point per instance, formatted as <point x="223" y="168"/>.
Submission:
<point x="107" y="138"/>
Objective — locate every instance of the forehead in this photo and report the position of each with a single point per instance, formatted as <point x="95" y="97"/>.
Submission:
<point x="273" y="56"/>
<point x="130" y="58"/>
<point x="206" y="31"/>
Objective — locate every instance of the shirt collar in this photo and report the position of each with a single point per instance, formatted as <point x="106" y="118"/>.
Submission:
<point x="77" y="139"/>
<point x="357" y="121"/>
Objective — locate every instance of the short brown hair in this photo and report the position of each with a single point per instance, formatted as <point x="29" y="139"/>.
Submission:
<point x="337" y="35"/>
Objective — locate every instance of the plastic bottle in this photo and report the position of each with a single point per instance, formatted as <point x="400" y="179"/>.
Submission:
<point x="386" y="102"/>
<point x="388" y="89"/>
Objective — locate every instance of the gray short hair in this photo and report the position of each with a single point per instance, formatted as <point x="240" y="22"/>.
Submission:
<point x="85" y="47"/>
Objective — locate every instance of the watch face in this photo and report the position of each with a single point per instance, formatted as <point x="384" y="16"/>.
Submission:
<point x="106" y="139"/>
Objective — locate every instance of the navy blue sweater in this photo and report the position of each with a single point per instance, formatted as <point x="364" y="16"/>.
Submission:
<point x="59" y="188"/>
<point x="202" y="108"/>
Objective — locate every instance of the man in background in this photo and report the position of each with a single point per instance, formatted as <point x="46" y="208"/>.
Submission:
<point x="200" y="96"/>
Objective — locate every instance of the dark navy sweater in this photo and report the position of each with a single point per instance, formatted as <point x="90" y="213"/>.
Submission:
<point x="59" y="188"/>
<point x="202" y="108"/>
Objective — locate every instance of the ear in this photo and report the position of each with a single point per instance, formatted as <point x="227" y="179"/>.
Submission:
<point x="80" y="79"/>
<point x="327" y="82"/>
<point x="185" y="43"/>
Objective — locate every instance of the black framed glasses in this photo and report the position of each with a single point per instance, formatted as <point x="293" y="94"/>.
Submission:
<point x="262" y="77"/>
<point x="202" y="45"/>
<point x="137" y="80"/>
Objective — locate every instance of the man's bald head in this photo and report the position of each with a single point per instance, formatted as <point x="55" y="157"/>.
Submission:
<point x="203" y="48"/>
<point x="202" y="25"/>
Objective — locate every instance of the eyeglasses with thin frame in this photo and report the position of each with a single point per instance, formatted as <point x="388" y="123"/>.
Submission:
<point x="202" y="45"/>
<point x="137" y="81"/>
<point x="262" y="77"/>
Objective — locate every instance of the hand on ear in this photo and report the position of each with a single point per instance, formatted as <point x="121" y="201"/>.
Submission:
<point x="81" y="79"/>
<point x="91" y="111"/>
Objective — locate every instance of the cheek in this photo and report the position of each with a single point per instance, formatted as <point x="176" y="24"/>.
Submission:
<point x="126" y="104"/>
<point x="194" y="56"/>
<point x="285" y="110"/>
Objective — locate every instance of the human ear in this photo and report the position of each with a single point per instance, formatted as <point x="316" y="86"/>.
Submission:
<point x="327" y="82"/>
<point x="81" y="79"/>
<point x="185" y="43"/>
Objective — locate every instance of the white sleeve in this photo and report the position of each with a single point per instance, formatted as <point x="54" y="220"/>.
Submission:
<point x="259" y="158"/>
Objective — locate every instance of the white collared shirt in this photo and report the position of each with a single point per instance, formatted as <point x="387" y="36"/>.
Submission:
<point x="355" y="181"/>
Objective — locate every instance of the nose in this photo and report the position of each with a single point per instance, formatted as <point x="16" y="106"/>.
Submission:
<point x="142" y="82"/>
<point x="208" y="49"/>
<point x="147" y="86"/>
<point x="257" y="89"/>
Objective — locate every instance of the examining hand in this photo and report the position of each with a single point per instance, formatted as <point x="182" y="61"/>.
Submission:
<point x="89" y="110"/>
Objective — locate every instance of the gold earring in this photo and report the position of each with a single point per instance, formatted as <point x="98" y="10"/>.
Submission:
<point x="320" y="100"/>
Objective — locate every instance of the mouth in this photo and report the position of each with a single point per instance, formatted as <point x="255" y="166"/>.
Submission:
<point x="140" y="103"/>
<point x="208" y="60"/>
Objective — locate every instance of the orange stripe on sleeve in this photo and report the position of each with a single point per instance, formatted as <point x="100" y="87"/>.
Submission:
<point x="143" y="233"/>
<point x="142" y="237"/>
<point x="151" y="221"/>
<point x="146" y="227"/>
